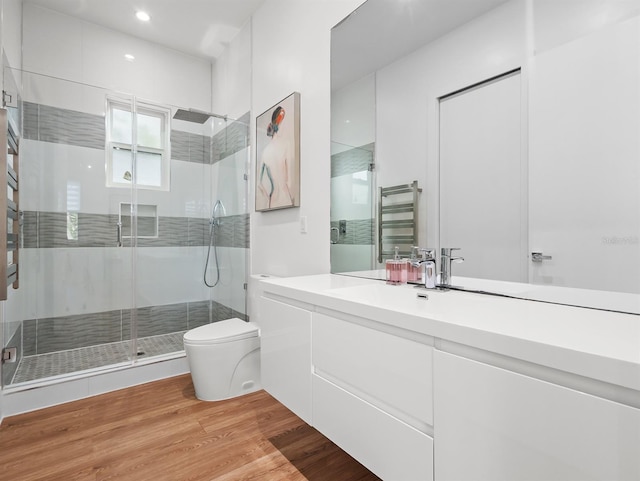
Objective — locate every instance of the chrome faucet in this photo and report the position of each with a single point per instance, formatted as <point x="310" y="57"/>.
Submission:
<point x="446" y="259"/>
<point x="428" y="263"/>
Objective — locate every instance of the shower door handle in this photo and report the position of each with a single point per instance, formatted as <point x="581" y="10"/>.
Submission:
<point x="119" y="234"/>
<point x="335" y="235"/>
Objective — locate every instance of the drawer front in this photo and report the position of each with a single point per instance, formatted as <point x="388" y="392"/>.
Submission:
<point x="388" y="371"/>
<point x="285" y="355"/>
<point x="493" y="424"/>
<point x="388" y="447"/>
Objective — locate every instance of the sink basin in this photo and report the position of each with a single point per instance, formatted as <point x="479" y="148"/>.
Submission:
<point x="380" y="294"/>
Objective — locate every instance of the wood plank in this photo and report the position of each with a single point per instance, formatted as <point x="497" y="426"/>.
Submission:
<point x="161" y="431"/>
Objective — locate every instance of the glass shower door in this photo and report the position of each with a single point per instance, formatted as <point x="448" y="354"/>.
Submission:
<point x="72" y="312"/>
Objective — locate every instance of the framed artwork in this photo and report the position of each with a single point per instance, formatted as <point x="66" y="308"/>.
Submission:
<point x="278" y="155"/>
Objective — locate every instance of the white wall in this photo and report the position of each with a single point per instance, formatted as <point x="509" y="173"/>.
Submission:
<point x="86" y="53"/>
<point x="353" y="115"/>
<point x="12" y="31"/>
<point x="291" y="50"/>
<point x="231" y="76"/>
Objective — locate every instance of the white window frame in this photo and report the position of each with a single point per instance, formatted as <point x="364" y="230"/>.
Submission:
<point x="145" y="108"/>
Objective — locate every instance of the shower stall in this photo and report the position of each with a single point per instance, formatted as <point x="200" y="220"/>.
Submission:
<point x="117" y="228"/>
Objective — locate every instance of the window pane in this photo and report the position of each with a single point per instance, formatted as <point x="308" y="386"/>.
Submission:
<point x="121" y="126"/>
<point x="121" y="166"/>
<point x="149" y="169"/>
<point x="149" y="131"/>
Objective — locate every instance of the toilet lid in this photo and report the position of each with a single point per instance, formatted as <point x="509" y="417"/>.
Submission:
<point x="221" y="331"/>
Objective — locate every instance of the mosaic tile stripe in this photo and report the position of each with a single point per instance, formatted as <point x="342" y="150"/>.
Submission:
<point x="232" y="139"/>
<point x="49" y="230"/>
<point x="359" y="232"/>
<point x="179" y="145"/>
<point x="30" y="120"/>
<point x="41" y="336"/>
<point x="352" y="160"/>
<point x="62" y="126"/>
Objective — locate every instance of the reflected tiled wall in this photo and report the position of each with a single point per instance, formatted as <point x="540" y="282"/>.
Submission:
<point x="352" y="160"/>
<point x="358" y="159"/>
<point x="359" y="232"/>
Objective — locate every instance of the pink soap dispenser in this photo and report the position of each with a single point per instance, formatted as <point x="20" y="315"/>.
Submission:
<point x="396" y="269"/>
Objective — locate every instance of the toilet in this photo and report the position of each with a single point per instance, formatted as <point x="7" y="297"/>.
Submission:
<point x="224" y="359"/>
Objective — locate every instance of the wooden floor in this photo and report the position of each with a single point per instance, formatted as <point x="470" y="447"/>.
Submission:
<point x="160" y="431"/>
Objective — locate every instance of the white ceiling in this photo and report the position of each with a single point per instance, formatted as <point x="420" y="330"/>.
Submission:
<point x="196" y="27"/>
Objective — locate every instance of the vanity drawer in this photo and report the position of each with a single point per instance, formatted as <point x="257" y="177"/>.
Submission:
<point x="390" y="372"/>
<point x="388" y="447"/>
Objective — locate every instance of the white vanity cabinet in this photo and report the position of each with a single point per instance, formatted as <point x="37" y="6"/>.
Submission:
<point x="372" y="396"/>
<point x="285" y="355"/>
<point x="459" y="387"/>
<point x="494" y="424"/>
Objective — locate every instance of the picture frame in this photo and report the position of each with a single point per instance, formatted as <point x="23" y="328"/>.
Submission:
<point x="278" y="156"/>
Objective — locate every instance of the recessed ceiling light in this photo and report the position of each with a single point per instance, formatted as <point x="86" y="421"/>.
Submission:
<point x="129" y="57"/>
<point x="143" y="16"/>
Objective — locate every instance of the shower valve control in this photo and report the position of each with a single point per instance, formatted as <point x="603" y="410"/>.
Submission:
<point x="9" y="355"/>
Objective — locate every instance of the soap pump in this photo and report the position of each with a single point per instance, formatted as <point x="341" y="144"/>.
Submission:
<point x="396" y="269"/>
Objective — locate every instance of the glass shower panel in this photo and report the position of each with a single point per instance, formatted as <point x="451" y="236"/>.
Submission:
<point x="72" y="310"/>
<point x="352" y="208"/>
<point x="9" y="326"/>
<point x="170" y="295"/>
<point x="227" y="266"/>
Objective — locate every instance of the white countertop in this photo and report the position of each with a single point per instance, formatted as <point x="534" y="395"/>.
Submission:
<point x="593" y="343"/>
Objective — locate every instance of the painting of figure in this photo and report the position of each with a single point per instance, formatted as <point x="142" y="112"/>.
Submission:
<point x="278" y="155"/>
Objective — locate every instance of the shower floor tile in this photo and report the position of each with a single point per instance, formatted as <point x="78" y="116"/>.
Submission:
<point x="51" y="364"/>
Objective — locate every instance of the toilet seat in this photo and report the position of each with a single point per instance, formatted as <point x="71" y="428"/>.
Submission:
<point x="220" y="332"/>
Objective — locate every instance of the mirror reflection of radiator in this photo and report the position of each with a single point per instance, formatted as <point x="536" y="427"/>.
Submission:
<point x="9" y="205"/>
<point x="397" y="219"/>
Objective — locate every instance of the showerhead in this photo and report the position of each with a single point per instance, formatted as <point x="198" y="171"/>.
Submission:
<point x="196" y="116"/>
<point x="191" y="116"/>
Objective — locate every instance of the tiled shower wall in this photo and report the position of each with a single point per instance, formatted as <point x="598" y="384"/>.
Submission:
<point x="43" y="230"/>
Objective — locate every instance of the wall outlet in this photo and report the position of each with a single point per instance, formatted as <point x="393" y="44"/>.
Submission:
<point x="303" y="224"/>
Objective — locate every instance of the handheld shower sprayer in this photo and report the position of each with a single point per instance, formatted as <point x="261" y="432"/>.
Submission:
<point x="217" y="213"/>
<point x="215" y="217"/>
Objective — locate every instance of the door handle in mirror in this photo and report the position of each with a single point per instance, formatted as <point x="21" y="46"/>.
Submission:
<point x="539" y="257"/>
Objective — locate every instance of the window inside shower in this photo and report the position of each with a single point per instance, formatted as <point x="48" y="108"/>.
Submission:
<point x="95" y="295"/>
<point x="138" y="148"/>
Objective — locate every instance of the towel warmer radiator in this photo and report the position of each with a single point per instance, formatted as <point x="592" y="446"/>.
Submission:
<point x="397" y="219"/>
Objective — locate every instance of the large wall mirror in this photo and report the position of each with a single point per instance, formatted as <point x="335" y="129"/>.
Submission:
<point x="520" y="122"/>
